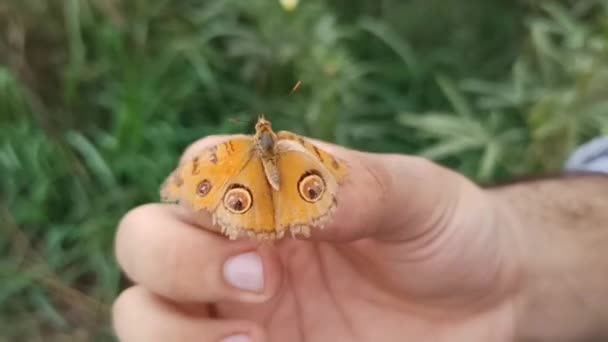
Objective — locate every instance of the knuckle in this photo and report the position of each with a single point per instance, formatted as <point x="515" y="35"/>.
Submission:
<point x="185" y="276"/>
<point x="177" y="277"/>
<point x="379" y="177"/>
<point x="123" y="307"/>
<point x="122" y="302"/>
<point x="135" y="218"/>
<point x="169" y="264"/>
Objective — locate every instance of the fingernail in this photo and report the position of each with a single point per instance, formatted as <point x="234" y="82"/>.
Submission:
<point x="237" y="338"/>
<point x="245" y="272"/>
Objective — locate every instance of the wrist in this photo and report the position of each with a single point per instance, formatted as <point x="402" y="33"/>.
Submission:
<point x="561" y="284"/>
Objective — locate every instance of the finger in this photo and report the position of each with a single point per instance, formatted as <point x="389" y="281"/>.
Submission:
<point x="159" y="250"/>
<point x="139" y="315"/>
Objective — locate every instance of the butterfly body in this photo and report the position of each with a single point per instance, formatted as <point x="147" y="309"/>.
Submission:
<point x="266" y="142"/>
<point x="262" y="185"/>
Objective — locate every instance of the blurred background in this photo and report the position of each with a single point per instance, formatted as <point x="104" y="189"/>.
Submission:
<point x="99" y="97"/>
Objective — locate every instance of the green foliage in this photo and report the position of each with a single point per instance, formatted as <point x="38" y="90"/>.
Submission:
<point x="99" y="97"/>
<point x="528" y="121"/>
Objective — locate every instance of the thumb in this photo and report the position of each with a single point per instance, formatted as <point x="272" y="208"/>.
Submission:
<point x="384" y="196"/>
<point x="393" y="197"/>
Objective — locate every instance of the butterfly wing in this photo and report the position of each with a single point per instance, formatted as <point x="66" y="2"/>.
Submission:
<point x="232" y="172"/>
<point x="247" y="205"/>
<point x="335" y="166"/>
<point x="200" y="182"/>
<point x="307" y="194"/>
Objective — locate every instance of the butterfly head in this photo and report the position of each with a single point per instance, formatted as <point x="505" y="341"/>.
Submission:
<point x="263" y="125"/>
<point x="265" y="136"/>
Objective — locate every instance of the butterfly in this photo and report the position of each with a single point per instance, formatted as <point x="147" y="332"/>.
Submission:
<point x="260" y="185"/>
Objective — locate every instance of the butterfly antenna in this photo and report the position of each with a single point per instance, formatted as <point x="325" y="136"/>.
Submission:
<point x="236" y="121"/>
<point x="295" y="87"/>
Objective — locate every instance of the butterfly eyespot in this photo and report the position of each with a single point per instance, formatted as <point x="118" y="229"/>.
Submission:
<point x="238" y="199"/>
<point x="203" y="188"/>
<point x="311" y="187"/>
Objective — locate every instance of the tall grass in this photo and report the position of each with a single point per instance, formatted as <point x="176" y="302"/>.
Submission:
<point x="99" y="97"/>
<point x="529" y="121"/>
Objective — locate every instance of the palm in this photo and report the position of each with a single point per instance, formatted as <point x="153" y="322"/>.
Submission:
<point x="344" y="293"/>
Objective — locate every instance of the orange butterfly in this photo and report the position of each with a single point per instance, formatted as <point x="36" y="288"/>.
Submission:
<point x="262" y="185"/>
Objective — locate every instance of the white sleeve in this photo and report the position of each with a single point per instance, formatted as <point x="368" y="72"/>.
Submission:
<point x="590" y="157"/>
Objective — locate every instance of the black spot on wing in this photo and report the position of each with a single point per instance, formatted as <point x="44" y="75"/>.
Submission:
<point x="195" y="164"/>
<point x="213" y="154"/>
<point x="334" y="163"/>
<point x="318" y="153"/>
<point x="177" y="179"/>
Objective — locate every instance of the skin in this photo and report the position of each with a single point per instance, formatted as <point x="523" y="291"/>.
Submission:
<point x="415" y="252"/>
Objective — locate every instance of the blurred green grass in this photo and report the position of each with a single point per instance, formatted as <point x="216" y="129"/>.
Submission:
<point x="99" y="97"/>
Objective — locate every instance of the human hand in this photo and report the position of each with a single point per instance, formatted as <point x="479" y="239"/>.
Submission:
<point x="415" y="252"/>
